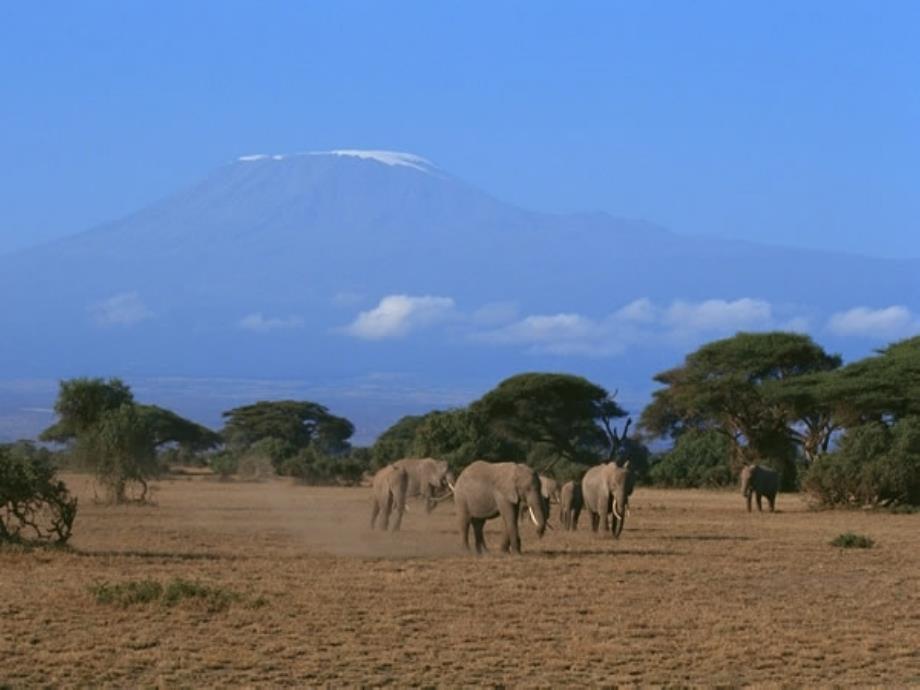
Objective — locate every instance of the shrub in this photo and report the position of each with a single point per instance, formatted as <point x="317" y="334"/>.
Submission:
<point x="34" y="505"/>
<point x="177" y="590"/>
<point x="849" y="540"/>
<point x="225" y="464"/>
<point x="699" y="459"/>
<point x="874" y="465"/>
<point x="255" y="467"/>
<point x="127" y="593"/>
<point x="313" y="467"/>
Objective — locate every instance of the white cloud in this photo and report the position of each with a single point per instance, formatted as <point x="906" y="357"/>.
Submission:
<point x="718" y="315"/>
<point x="638" y="323"/>
<point x="258" y="323"/>
<point x="123" y="309"/>
<point x="397" y="315"/>
<point x="640" y="310"/>
<point x="890" y="322"/>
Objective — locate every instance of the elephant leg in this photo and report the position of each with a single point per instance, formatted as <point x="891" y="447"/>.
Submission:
<point x="509" y="513"/>
<point x="464" y="517"/>
<point x="400" y="507"/>
<point x="374" y="511"/>
<point x="749" y="502"/>
<point x="478" y="525"/>
<point x="385" y="518"/>
<point x="759" y="504"/>
<point x="772" y="501"/>
<point x="595" y="521"/>
<point x="575" y="515"/>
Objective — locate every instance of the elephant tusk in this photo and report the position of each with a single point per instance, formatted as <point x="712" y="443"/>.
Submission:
<point x="450" y="486"/>
<point x="615" y="513"/>
<point x="533" y="517"/>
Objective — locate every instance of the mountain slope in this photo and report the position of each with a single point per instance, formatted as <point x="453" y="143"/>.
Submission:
<point x="256" y="271"/>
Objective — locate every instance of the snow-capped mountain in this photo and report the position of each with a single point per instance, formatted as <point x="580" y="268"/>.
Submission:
<point x="340" y="265"/>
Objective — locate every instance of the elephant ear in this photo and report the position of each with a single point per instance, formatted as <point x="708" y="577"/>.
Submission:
<point x="508" y="486"/>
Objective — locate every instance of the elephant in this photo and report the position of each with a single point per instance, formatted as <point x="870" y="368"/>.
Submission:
<point x="485" y="490"/>
<point x="390" y="484"/>
<point x="759" y="481"/>
<point x="571" y="501"/>
<point x="427" y="476"/>
<point x="606" y="490"/>
<point x="549" y="489"/>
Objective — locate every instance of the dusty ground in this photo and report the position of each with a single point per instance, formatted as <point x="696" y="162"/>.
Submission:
<point x="696" y="592"/>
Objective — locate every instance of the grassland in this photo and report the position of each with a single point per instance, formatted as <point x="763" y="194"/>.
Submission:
<point x="696" y="592"/>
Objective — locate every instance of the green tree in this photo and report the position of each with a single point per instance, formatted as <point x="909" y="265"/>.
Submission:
<point x="396" y="442"/>
<point x="699" y="459"/>
<point x="567" y="413"/>
<point x="729" y="386"/>
<point x="874" y="464"/>
<point x="169" y="428"/>
<point x="117" y="437"/>
<point x="298" y="423"/>
<point x="122" y="444"/>
<point x="80" y="404"/>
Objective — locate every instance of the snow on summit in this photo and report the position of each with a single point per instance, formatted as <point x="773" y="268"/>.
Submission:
<point x="409" y="160"/>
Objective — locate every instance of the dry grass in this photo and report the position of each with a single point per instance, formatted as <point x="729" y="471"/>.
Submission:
<point x="696" y="592"/>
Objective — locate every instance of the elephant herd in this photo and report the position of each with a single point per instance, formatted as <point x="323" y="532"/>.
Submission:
<point x="486" y="490"/>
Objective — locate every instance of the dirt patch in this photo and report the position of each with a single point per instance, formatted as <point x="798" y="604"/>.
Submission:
<point x="697" y="591"/>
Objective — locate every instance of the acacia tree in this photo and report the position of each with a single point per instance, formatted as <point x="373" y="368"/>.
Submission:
<point x="567" y="413"/>
<point x="729" y="386"/>
<point x="117" y="437"/>
<point x="287" y="427"/>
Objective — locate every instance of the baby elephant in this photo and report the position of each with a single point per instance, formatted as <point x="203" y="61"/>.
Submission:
<point x="570" y="504"/>
<point x="759" y="481"/>
<point x="389" y="487"/>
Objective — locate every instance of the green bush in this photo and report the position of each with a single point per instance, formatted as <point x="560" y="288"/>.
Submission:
<point x="255" y="467"/>
<point x="224" y="464"/>
<point x="874" y="465"/>
<point x="849" y="540"/>
<point x="699" y="459"/>
<point x="147" y="591"/>
<point x="127" y="593"/>
<point x="34" y="505"/>
<point x="313" y="467"/>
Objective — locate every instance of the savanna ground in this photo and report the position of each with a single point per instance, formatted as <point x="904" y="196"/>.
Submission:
<point x="695" y="592"/>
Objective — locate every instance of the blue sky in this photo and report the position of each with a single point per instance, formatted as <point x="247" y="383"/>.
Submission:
<point x="783" y="122"/>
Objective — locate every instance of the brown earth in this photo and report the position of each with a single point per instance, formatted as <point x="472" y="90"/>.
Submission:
<point x="696" y="592"/>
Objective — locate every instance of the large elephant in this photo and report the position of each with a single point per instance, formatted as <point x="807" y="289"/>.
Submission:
<point x="427" y="477"/>
<point x="606" y="490"/>
<point x="389" y="486"/>
<point x="485" y="490"/>
<point x="571" y="502"/>
<point x="759" y="481"/>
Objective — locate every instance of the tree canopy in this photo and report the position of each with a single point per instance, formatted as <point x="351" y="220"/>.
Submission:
<point x="300" y="424"/>
<point x="730" y="386"/>
<point x="567" y="413"/>
<point x="116" y="436"/>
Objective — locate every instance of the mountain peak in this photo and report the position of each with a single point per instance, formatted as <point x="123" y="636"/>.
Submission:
<point x="394" y="158"/>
